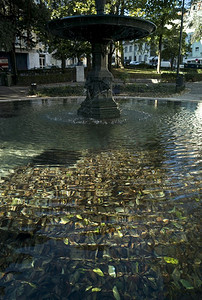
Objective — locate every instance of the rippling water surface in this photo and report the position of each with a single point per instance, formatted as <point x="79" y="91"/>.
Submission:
<point x="100" y="210"/>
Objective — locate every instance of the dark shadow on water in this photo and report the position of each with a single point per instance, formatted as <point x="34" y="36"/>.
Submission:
<point x="56" y="157"/>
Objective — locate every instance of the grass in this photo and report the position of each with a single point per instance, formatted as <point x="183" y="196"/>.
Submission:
<point x="128" y="74"/>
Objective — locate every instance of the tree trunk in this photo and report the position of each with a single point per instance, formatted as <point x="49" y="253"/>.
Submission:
<point x="88" y="62"/>
<point x="122" y="55"/>
<point x="13" y="64"/>
<point x="63" y="64"/>
<point x="159" y="55"/>
<point x="172" y="63"/>
<point x="119" y="55"/>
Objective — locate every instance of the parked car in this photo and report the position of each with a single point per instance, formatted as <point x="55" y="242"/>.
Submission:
<point x="51" y="67"/>
<point x="193" y="66"/>
<point x="134" y="63"/>
<point x="165" y="64"/>
<point x="127" y="62"/>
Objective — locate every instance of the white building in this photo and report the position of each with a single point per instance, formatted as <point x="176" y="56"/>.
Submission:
<point x="139" y="52"/>
<point x="192" y="21"/>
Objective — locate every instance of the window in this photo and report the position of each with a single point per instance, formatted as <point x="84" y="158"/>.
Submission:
<point x="42" y="60"/>
<point x="126" y="49"/>
<point x="130" y="49"/>
<point x="197" y="49"/>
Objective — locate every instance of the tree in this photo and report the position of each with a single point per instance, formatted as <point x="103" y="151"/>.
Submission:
<point x="171" y="45"/>
<point x="122" y="7"/>
<point x="164" y="14"/>
<point x="19" y="19"/>
<point x="63" y="49"/>
<point x="196" y="24"/>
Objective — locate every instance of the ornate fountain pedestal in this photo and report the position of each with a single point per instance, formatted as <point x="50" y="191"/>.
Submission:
<point x="99" y="102"/>
<point x="99" y="30"/>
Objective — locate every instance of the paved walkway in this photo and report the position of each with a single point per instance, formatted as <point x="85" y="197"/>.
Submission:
<point x="193" y="92"/>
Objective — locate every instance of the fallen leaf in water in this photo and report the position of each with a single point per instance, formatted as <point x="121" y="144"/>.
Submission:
<point x="171" y="260"/>
<point x="66" y="241"/>
<point x="186" y="284"/>
<point x="112" y="271"/>
<point x="79" y="217"/>
<point x="98" y="271"/>
<point x="96" y="289"/>
<point x="116" y="293"/>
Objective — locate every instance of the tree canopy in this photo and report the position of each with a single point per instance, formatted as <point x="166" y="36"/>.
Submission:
<point x="164" y="13"/>
<point x="19" y="19"/>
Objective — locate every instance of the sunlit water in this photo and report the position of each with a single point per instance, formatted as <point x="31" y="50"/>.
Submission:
<point x="100" y="210"/>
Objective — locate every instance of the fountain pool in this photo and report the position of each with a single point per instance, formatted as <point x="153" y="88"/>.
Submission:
<point x="100" y="209"/>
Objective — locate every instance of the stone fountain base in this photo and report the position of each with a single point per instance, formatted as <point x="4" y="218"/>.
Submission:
<point x="99" y="102"/>
<point x="100" y="108"/>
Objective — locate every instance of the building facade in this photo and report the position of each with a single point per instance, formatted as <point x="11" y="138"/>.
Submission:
<point x="141" y="52"/>
<point x="193" y="25"/>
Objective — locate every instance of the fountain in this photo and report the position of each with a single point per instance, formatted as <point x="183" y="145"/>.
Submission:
<point x="100" y="209"/>
<point x="100" y="30"/>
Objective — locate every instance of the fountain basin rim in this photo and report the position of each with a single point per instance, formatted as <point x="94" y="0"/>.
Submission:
<point x="101" y="27"/>
<point x="81" y="98"/>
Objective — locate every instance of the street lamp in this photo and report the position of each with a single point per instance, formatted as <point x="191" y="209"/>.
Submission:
<point x="179" y="79"/>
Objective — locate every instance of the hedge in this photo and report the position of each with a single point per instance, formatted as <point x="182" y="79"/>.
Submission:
<point x="55" y="76"/>
<point x="193" y="77"/>
<point x="44" y="77"/>
<point x="188" y="76"/>
<point x="62" y="91"/>
<point x="148" y="89"/>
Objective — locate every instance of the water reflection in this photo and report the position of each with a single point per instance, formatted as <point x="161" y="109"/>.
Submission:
<point x="122" y="221"/>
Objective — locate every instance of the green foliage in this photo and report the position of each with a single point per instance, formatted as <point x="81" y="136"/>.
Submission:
<point x="7" y="32"/>
<point x="163" y="13"/>
<point x="64" y="91"/>
<point x="140" y="89"/>
<point x="193" y="76"/>
<point x="196" y="24"/>
<point x="19" y="19"/>
<point x="168" y="76"/>
<point x="131" y="73"/>
<point x="171" y="44"/>
<point x="46" y="77"/>
<point x="63" y="49"/>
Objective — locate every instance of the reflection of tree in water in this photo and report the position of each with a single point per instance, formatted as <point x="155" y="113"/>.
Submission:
<point x="104" y="228"/>
<point x="8" y="110"/>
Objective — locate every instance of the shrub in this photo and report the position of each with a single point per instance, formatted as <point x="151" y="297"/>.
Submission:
<point x="148" y="89"/>
<point x="62" y="91"/>
<point x="193" y="76"/>
<point x="168" y="77"/>
<point x="43" y="77"/>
